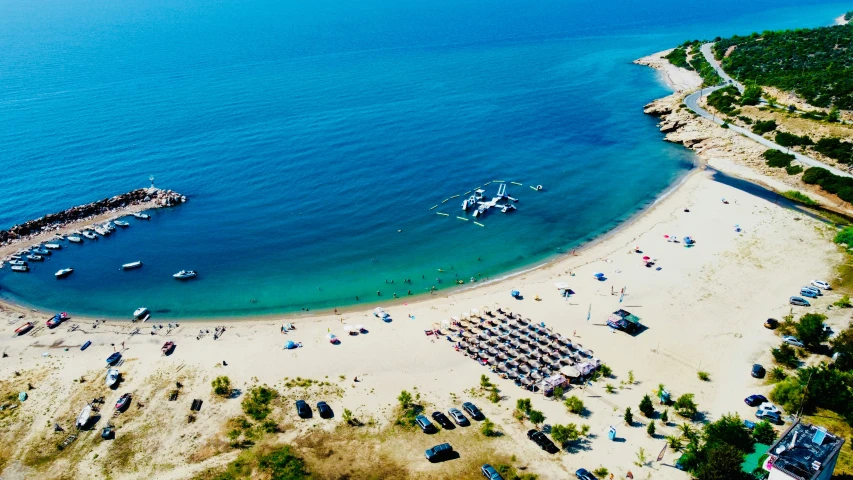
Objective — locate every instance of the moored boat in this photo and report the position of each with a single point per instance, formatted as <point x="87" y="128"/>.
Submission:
<point x="167" y="347"/>
<point x="89" y="235"/>
<point x="74" y="239"/>
<point x="24" y="328"/>
<point x="131" y="265"/>
<point x="17" y="262"/>
<point x="184" y="274"/>
<point x="41" y="251"/>
<point x="121" y="223"/>
<point x="64" y="272"/>
<point x="142" y="216"/>
<point x="20" y="268"/>
<point x="114" y="358"/>
<point x="140" y="313"/>
<point x="102" y="231"/>
<point x="123" y="402"/>
<point x="112" y="376"/>
<point x="53" y="246"/>
<point x="83" y="418"/>
<point x="35" y="258"/>
<point x="56" y="320"/>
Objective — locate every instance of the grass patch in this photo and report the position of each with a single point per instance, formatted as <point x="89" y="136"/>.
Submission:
<point x="799" y="198"/>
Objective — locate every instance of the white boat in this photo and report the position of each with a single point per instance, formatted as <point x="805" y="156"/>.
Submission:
<point x="131" y="265"/>
<point x="121" y="223"/>
<point x="89" y="235"/>
<point x="52" y="246"/>
<point x="35" y="258"/>
<point x="17" y="262"/>
<point x="101" y="231"/>
<point x="83" y="418"/>
<point x="112" y="377"/>
<point x="73" y="239"/>
<point x="465" y="204"/>
<point x="185" y="274"/>
<point x="140" y="215"/>
<point x="20" y="268"/>
<point x="140" y="313"/>
<point x="63" y="272"/>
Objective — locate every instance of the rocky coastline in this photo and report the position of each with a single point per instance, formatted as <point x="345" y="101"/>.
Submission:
<point x="133" y="201"/>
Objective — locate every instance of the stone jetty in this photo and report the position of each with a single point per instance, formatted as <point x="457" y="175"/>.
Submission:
<point x="127" y="203"/>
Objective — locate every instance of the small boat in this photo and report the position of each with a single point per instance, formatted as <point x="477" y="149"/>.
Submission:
<point x="142" y="216"/>
<point x="17" y="262"/>
<point x="114" y="358"/>
<point x="41" y="251"/>
<point x="86" y="345"/>
<point x="102" y="231"/>
<point x="35" y="258"/>
<point x="140" y="313"/>
<point x="121" y="223"/>
<point x="167" y="347"/>
<point x="17" y="256"/>
<point x="64" y="272"/>
<point x="53" y="246"/>
<point x="56" y="320"/>
<point x="123" y="402"/>
<point x="74" y="239"/>
<point x="20" y="268"/>
<point x="465" y="204"/>
<point x="184" y="274"/>
<point x="89" y="235"/>
<point x="131" y="265"/>
<point x="24" y="328"/>
<point x="112" y="376"/>
<point x="83" y="418"/>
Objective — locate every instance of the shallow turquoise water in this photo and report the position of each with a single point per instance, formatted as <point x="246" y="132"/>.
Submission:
<point x="307" y="136"/>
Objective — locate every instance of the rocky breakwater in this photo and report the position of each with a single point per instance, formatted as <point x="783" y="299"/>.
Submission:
<point x="133" y="201"/>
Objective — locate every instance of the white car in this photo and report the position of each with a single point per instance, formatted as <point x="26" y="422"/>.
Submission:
<point x="792" y="341"/>
<point x="769" y="407"/>
<point x="821" y="285"/>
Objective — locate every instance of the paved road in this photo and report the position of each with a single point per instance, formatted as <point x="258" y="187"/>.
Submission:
<point x="706" y="51"/>
<point x="692" y="102"/>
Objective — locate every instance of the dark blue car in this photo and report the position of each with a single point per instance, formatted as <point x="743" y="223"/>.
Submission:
<point x="112" y="359"/>
<point x="583" y="474"/>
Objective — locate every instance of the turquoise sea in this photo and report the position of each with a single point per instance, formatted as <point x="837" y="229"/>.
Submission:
<point x="313" y="137"/>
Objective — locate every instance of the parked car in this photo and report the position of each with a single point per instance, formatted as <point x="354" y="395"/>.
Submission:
<point x="769" y="407"/>
<point x="802" y="302"/>
<point x="439" y="452"/>
<point x="443" y="420"/>
<point x="771" y="323"/>
<point x="302" y="409"/>
<point x="458" y="417"/>
<point x="758" y="371"/>
<point x="325" y="410"/>
<point x="793" y="341"/>
<point x="542" y="440"/>
<point x="821" y="285"/>
<point x="583" y="474"/>
<point x="808" y="293"/>
<point x="813" y="289"/>
<point x="490" y="472"/>
<point x="425" y="424"/>
<point x="772" y="417"/>
<point x="755" y="400"/>
<point x="472" y="410"/>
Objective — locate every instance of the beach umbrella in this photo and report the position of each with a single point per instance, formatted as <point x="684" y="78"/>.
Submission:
<point x="466" y="334"/>
<point x="492" y="361"/>
<point x="348" y="329"/>
<point x="567" y="361"/>
<point x="483" y="335"/>
<point x="474" y="311"/>
<point x="535" y="364"/>
<point x="502" y="367"/>
<point x="494" y="341"/>
<point x="647" y="258"/>
<point x="570" y="371"/>
<point x="535" y="375"/>
<point x="455" y="319"/>
<point x="493" y="351"/>
<point x="561" y="286"/>
<point x="502" y="356"/>
<point x="524" y="368"/>
<point x="512" y="374"/>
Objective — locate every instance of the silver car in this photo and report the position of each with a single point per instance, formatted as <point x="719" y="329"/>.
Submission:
<point x="458" y="417"/>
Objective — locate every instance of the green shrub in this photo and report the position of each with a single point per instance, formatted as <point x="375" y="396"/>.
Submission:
<point x="785" y="355"/>
<point x="745" y="119"/>
<point x="283" y="464"/>
<point x="221" y="386"/>
<point x="488" y="428"/>
<point x="724" y="99"/>
<point x="678" y="57"/>
<point x="844" y="302"/>
<point x="523" y="405"/>
<point x="629" y="417"/>
<point x="664" y="416"/>
<point x="651" y="429"/>
<point x="704" y="376"/>
<point x="835" y="148"/>
<point x="793" y="170"/>
<point x="765" y="126"/>
<point x="810" y="330"/>
<point x="563" y="434"/>
<point x="685" y="406"/>
<point x="777" y="374"/>
<point x="790" y="140"/>
<point x="646" y="406"/>
<point x="601" y="472"/>
<point x="536" y="417"/>
<point x="574" y="405"/>
<point x="764" y="433"/>
<point x="751" y="95"/>
<point x="257" y="402"/>
<point x="777" y="158"/>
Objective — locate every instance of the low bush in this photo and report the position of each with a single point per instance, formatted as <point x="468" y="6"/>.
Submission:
<point x="777" y="158"/>
<point x="221" y="386"/>
<point x="765" y="126"/>
<point x="790" y="140"/>
<point x="793" y="169"/>
<point x="799" y="198"/>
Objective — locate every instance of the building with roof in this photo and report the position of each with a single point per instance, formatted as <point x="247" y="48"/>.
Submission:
<point x="803" y="452"/>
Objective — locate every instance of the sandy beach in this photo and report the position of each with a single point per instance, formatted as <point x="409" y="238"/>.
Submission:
<point x="679" y="79"/>
<point x="840" y="20"/>
<point x="703" y="310"/>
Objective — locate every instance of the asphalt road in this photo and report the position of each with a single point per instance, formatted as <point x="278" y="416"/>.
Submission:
<point x="692" y="102"/>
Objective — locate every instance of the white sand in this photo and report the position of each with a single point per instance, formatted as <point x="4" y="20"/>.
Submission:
<point x="704" y="310"/>
<point x="679" y="79"/>
<point x="841" y="21"/>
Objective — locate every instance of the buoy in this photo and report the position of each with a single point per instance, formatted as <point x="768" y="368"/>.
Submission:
<point x="439" y="213"/>
<point x="453" y="196"/>
<point x="486" y="184"/>
<point x="434" y="207"/>
<point x="478" y="223"/>
<point x="516" y="183"/>
<point x="466" y="193"/>
<point x="461" y="218"/>
<point x="398" y="231"/>
<point x="445" y="200"/>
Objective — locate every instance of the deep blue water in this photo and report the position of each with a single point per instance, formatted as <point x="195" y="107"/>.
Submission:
<point x="306" y="134"/>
